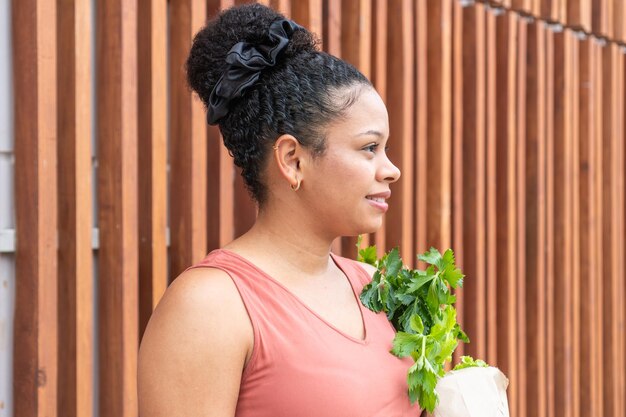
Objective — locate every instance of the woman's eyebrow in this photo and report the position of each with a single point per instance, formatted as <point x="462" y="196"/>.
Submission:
<point x="371" y="133"/>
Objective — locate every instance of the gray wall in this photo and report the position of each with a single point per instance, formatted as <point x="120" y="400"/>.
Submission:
<point x="7" y="215"/>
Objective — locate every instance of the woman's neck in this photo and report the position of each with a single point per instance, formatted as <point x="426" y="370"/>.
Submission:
<point x="298" y="242"/>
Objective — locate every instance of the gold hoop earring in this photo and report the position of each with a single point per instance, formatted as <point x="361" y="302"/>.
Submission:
<point x="297" y="187"/>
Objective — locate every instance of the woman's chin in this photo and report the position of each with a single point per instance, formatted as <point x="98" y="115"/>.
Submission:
<point x="371" y="227"/>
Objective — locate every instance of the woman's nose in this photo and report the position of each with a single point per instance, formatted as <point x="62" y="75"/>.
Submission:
<point x="389" y="172"/>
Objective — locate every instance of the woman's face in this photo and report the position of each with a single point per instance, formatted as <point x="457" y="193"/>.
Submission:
<point x="348" y="186"/>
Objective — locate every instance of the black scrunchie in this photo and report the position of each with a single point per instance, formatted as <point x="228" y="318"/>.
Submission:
<point x="246" y="61"/>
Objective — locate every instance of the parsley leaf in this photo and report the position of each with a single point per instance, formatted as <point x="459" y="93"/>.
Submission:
<point x="419" y="305"/>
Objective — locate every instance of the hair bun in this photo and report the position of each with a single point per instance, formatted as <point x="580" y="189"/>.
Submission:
<point x="248" y="23"/>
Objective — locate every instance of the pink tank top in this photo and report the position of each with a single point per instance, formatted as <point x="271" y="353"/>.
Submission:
<point x="303" y="366"/>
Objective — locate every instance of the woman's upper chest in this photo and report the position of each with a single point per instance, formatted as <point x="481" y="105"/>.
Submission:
<point x="332" y="297"/>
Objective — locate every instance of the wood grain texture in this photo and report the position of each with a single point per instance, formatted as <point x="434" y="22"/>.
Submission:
<point x="220" y="221"/>
<point x="333" y="38"/>
<point x="505" y="125"/>
<point x="188" y="144"/>
<point x="572" y="140"/>
<point x="458" y="95"/>
<point x="400" y="102"/>
<point x="535" y="191"/>
<point x="152" y="161"/>
<point x="491" y="188"/>
<point x="474" y="175"/>
<point x="549" y="210"/>
<point x="588" y="264"/>
<point x="610" y="252"/>
<point x="117" y="207"/>
<point x="379" y="79"/>
<point x="600" y="362"/>
<point x="579" y="14"/>
<point x="76" y="290"/>
<point x="420" y="170"/>
<point x="561" y="266"/>
<point x="356" y="47"/>
<point x="438" y="198"/>
<point x="520" y="215"/>
<point x="309" y="13"/>
<point x="35" y="362"/>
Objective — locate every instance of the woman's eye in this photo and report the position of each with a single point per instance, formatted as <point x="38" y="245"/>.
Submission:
<point x="371" y="148"/>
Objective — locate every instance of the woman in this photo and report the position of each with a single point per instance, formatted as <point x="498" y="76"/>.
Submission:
<point x="271" y="325"/>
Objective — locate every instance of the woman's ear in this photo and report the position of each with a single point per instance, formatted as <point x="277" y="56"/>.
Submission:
<point x="288" y="154"/>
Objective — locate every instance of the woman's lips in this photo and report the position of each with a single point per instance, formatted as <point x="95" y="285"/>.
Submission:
<point x="378" y="202"/>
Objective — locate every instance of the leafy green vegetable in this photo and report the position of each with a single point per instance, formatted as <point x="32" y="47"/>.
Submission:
<point x="469" y="362"/>
<point x="420" y="307"/>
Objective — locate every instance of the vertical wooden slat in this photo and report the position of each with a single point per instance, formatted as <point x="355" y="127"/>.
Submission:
<point x="491" y="188"/>
<point x="520" y="5"/>
<point x="379" y="79"/>
<point x="591" y="403"/>
<point x="76" y="289"/>
<point x="572" y="138"/>
<point x="117" y="206"/>
<point x="237" y="200"/>
<point x="188" y="136"/>
<point x="420" y="169"/>
<point x="610" y="258"/>
<point x="520" y="186"/>
<point x="601" y="17"/>
<point x="439" y="125"/>
<point x="506" y="74"/>
<point x="332" y="27"/>
<point x="400" y="106"/>
<point x="561" y="271"/>
<point x="308" y="13"/>
<point x="283" y="6"/>
<point x="152" y="122"/>
<point x="220" y="173"/>
<point x="469" y="167"/>
<point x="535" y="192"/>
<point x="549" y="238"/>
<point x="35" y="91"/>
<point x="356" y="34"/>
<point x="458" y="95"/>
<point x="579" y="14"/>
<point x="599" y="108"/>
<point x="356" y="47"/>
<point x="617" y="17"/>
<point x="547" y="10"/>
<point x="619" y="105"/>
<point x="614" y="319"/>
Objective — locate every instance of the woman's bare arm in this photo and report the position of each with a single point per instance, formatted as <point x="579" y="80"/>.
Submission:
<point x="194" y="348"/>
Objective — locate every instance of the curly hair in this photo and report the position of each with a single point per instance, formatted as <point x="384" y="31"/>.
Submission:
<point x="305" y="91"/>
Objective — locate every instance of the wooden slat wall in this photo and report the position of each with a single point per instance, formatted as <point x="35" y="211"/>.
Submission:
<point x="400" y="104"/>
<point x="117" y="207"/>
<point x="188" y="143"/>
<point x="152" y="139"/>
<point x="76" y="290"/>
<point x="35" y="364"/>
<point x="507" y="121"/>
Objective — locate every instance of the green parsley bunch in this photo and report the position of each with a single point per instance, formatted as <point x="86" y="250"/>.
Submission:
<point x="419" y="305"/>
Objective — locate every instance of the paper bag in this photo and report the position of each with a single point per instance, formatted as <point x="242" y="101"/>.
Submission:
<point x="472" y="392"/>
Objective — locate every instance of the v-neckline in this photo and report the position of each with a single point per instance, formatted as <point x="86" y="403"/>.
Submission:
<point x="363" y="341"/>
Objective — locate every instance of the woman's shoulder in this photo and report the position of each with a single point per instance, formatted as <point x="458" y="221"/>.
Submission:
<point x="199" y="308"/>
<point x="198" y="333"/>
